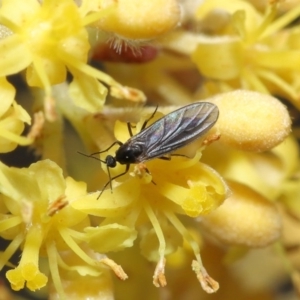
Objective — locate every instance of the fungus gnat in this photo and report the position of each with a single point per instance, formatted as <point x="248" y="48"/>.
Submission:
<point x="164" y="136"/>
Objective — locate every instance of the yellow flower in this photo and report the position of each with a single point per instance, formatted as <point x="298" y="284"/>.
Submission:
<point x="36" y="215"/>
<point x="46" y="40"/>
<point x="257" y="54"/>
<point x="28" y="268"/>
<point x="12" y="119"/>
<point x="240" y="47"/>
<point x="182" y="186"/>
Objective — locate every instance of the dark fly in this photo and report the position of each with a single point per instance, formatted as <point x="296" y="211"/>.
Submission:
<point x="164" y="136"/>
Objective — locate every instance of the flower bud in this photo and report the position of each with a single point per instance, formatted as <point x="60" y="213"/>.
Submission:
<point x="251" y="121"/>
<point x="246" y="218"/>
<point x="140" y="19"/>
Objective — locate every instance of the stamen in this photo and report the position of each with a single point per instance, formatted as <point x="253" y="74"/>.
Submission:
<point x="208" y="284"/>
<point x="65" y="234"/>
<point x="250" y="80"/>
<point x="159" y="274"/>
<point x="11" y="249"/>
<point x="118" y="270"/>
<point x="282" y="21"/>
<point x="57" y="205"/>
<point x="53" y="266"/>
<point x="267" y="22"/>
<point x="276" y="80"/>
<point x="50" y="110"/>
<point x="159" y="278"/>
<point x="37" y="126"/>
<point x="116" y="89"/>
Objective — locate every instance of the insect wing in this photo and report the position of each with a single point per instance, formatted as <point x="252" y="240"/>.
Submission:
<point x="176" y="129"/>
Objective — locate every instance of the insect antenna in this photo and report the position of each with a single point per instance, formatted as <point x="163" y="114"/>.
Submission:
<point x="110" y="162"/>
<point x="111" y="179"/>
<point x="91" y="156"/>
<point x="99" y="152"/>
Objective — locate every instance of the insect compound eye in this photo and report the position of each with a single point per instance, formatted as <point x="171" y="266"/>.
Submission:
<point x="110" y="161"/>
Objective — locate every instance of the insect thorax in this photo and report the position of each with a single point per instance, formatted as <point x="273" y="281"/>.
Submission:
<point x="128" y="153"/>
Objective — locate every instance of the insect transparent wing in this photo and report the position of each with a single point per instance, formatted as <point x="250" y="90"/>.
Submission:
<point x="176" y="129"/>
<point x="185" y="125"/>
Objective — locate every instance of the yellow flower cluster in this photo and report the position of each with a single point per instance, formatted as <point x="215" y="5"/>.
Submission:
<point x="235" y="188"/>
<point x="245" y="46"/>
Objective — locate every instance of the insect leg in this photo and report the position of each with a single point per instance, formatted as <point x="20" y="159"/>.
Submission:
<point x="148" y="172"/>
<point x="146" y="122"/>
<point x="111" y="179"/>
<point x="165" y="157"/>
<point x="170" y="156"/>
<point x="129" y="126"/>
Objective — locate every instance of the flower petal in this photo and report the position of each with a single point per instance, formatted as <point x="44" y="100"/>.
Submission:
<point x="112" y="237"/>
<point x="56" y="72"/>
<point x="49" y="178"/>
<point x="10" y="186"/>
<point x="110" y="204"/>
<point x="7" y="95"/>
<point x="24" y="11"/>
<point x="219" y="58"/>
<point x="87" y="92"/>
<point x="15" y="55"/>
